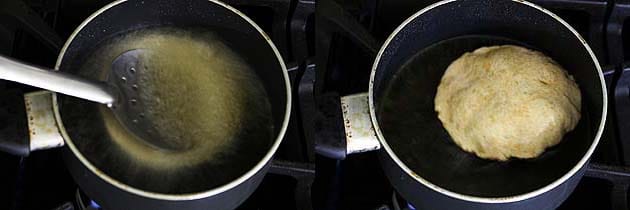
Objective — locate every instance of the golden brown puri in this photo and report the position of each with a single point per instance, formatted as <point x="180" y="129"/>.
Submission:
<point x="507" y="101"/>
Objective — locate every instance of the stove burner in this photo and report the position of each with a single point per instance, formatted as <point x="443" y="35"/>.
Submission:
<point x="85" y="203"/>
<point x="398" y="203"/>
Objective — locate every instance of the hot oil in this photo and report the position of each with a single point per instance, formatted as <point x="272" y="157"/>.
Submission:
<point x="412" y="129"/>
<point x="198" y="94"/>
<point x="406" y="103"/>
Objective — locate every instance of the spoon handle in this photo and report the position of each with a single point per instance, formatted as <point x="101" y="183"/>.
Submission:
<point x="55" y="81"/>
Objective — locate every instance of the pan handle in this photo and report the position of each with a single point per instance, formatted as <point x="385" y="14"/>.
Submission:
<point x="42" y="126"/>
<point x="360" y="134"/>
<point x="43" y="132"/>
<point x="343" y="126"/>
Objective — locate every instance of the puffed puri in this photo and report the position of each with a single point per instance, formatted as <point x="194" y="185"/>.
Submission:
<point x="507" y="101"/>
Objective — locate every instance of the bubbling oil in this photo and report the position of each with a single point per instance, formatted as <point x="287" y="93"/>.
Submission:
<point x="197" y="93"/>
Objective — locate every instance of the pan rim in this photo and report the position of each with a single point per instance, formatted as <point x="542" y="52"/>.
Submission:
<point x="185" y="196"/>
<point x="478" y="199"/>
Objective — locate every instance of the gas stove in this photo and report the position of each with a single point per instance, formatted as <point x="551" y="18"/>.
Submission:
<point x="329" y="47"/>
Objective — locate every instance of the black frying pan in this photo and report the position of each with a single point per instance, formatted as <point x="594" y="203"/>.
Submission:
<point x="418" y="155"/>
<point x="417" y="136"/>
<point x="110" y="176"/>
